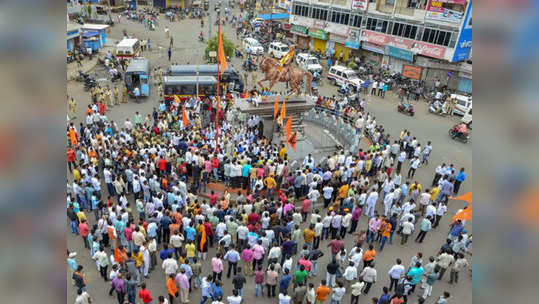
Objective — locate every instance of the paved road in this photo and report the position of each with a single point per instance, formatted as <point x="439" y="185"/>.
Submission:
<point x="424" y="126"/>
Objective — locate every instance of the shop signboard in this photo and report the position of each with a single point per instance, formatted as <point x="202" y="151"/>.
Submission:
<point x="399" y="53"/>
<point x="412" y="72"/>
<point x="353" y="40"/>
<point x="436" y="11"/>
<point x="298" y="29"/>
<point x="420" y="47"/>
<point x="373" y="48"/>
<point x="318" y="34"/>
<point x="361" y="5"/>
<point x="464" y="43"/>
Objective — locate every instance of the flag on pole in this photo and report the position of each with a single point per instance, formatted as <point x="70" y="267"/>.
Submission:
<point x="465" y="215"/>
<point x="467" y="197"/>
<point x="275" y="108"/>
<point x="288" y="127"/>
<point x="292" y="141"/>
<point x="184" y="118"/>
<point x="283" y="112"/>
<point x="221" y="57"/>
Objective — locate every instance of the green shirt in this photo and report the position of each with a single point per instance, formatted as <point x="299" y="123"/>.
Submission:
<point x="300" y="276"/>
<point x="232" y="227"/>
<point x="214" y="220"/>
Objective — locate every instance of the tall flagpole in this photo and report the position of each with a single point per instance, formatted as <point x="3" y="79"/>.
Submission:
<point x="218" y="93"/>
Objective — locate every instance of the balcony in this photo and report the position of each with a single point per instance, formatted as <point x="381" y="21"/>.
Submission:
<point x="380" y="8"/>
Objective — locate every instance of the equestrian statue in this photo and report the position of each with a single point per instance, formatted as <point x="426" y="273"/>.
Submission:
<point x="282" y="71"/>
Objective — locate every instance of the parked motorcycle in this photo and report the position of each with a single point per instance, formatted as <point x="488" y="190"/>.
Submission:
<point x="238" y="53"/>
<point x="89" y="83"/>
<point x="453" y="132"/>
<point x="402" y="109"/>
<point x="201" y="38"/>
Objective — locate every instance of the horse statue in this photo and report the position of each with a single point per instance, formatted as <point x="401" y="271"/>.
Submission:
<point x="294" y="76"/>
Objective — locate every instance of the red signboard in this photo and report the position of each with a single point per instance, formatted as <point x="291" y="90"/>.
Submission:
<point x="423" y="48"/>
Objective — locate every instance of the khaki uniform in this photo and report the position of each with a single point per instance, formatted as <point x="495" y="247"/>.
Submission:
<point x="124" y="94"/>
<point x="160" y="90"/>
<point x="116" y="96"/>
<point x="160" y="75"/>
<point x="452" y="104"/>
<point x="72" y="106"/>
<point x="108" y="98"/>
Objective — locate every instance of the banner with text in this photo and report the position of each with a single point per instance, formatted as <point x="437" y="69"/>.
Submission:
<point x="360" y="4"/>
<point x="421" y="48"/>
<point x="436" y="11"/>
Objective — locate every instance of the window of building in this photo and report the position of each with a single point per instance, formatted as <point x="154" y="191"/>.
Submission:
<point x="377" y="25"/>
<point x="319" y="13"/>
<point x="356" y="21"/>
<point x="436" y="36"/>
<point x="404" y="30"/>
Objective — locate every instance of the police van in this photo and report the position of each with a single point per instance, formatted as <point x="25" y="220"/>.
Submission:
<point x="338" y="75"/>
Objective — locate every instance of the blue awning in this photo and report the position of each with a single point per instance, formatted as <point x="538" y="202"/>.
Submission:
<point x="90" y="34"/>
<point x="274" y="16"/>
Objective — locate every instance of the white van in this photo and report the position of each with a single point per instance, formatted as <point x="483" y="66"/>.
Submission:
<point x="467" y="118"/>
<point x="308" y="62"/>
<point x="464" y="103"/>
<point x="254" y="45"/>
<point x="338" y="75"/>
<point x="277" y="49"/>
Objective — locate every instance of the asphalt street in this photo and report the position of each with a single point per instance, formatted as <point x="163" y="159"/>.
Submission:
<point x="423" y="125"/>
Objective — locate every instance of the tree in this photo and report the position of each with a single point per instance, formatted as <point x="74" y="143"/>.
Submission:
<point x="211" y="45"/>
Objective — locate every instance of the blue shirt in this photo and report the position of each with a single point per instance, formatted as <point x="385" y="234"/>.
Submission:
<point x="188" y="270"/>
<point x="217" y="291"/>
<point x="416" y="274"/>
<point x="72" y="263"/>
<point x="461" y="176"/>
<point x="245" y="170"/>
<point x="456" y="229"/>
<point x="165" y="252"/>
<point x="285" y="282"/>
<point x="190" y="232"/>
<point x="384" y="298"/>
<point x="232" y="256"/>
<point x="152" y="231"/>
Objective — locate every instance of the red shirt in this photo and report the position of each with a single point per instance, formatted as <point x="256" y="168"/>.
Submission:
<point x="253" y="217"/>
<point x="83" y="229"/>
<point x="305" y="206"/>
<point x="213" y="198"/>
<point x="70" y="155"/>
<point x="209" y="229"/>
<point x="144" y="294"/>
<point x="215" y="163"/>
<point x="102" y="108"/>
<point x="162" y="164"/>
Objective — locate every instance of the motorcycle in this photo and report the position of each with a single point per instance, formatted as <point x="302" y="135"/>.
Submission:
<point x="117" y="76"/>
<point x="437" y="111"/>
<point x="238" y="53"/>
<point x="410" y="111"/>
<point x="89" y="83"/>
<point x="82" y="76"/>
<point x="201" y="38"/>
<point x="453" y="132"/>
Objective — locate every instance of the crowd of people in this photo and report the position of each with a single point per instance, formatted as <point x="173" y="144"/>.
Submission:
<point x="145" y="196"/>
<point x="146" y="185"/>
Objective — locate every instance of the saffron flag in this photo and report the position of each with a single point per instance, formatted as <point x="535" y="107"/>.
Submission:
<point x="283" y="112"/>
<point x="288" y="127"/>
<point x="292" y="141"/>
<point x="465" y="215"/>
<point x="467" y="197"/>
<point x="177" y="99"/>
<point x="275" y="108"/>
<point x="184" y="118"/>
<point x="221" y="57"/>
<point x="202" y="238"/>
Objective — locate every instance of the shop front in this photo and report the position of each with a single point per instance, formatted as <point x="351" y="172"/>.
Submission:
<point x="338" y="34"/>
<point x="398" y="58"/>
<point x="373" y="54"/>
<point x="319" y="39"/>
<point x="301" y="34"/>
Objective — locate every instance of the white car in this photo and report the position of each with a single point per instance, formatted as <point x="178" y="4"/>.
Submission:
<point x="277" y="49"/>
<point x="308" y="62"/>
<point x="257" y="21"/>
<point x="338" y="75"/>
<point x="253" y="44"/>
<point x="464" y="103"/>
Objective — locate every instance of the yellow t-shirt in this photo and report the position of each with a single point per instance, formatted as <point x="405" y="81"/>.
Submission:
<point x="282" y="153"/>
<point x="81" y="216"/>
<point x="76" y="175"/>
<point x="434" y="193"/>
<point x="139" y="258"/>
<point x="190" y="250"/>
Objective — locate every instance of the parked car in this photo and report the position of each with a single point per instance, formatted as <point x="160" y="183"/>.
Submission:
<point x="257" y="22"/>
<point x="254" y="45"/>
<point x="277" y="49"/>
<point x="467" y="118"/>
<point x="464" y="103"/>
<point x="338" y="75"/>
<point x="308" y="62"/>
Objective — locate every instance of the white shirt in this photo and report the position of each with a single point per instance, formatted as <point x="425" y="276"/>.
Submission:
<point x="396" y="271"/>
<point x="234" y="300"/>
<point x="170" y="266"/>
<point x="350" y="273"/>
<point x="284" y="299"/>
<point x="407" y="228"/>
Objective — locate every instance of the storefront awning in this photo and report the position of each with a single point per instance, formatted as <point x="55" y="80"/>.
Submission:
<point x="278" y="16"/>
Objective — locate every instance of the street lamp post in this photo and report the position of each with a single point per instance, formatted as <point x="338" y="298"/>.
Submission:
<point x="198" y="73"/>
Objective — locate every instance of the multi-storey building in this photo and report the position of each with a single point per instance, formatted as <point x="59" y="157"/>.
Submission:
<point x="428" y="39"/>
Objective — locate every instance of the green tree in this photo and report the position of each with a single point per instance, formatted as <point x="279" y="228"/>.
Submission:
<point x="211" y="45"/>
